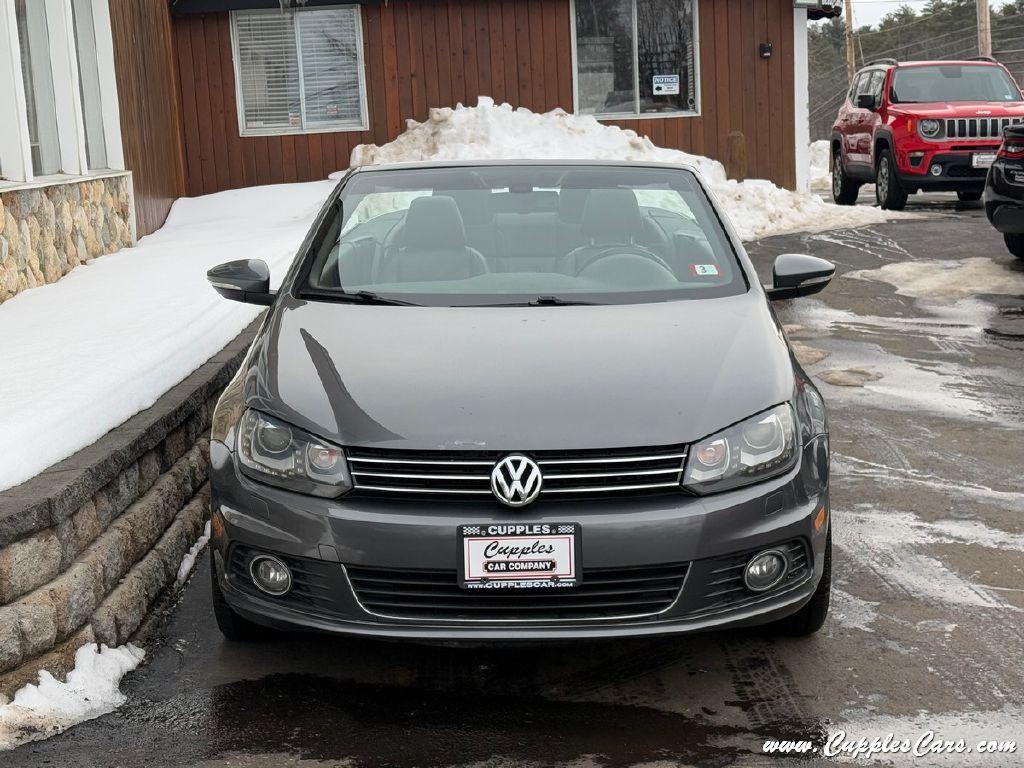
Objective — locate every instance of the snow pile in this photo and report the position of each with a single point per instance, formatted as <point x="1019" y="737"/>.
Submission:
<point x="92" y="689"/>
<point x="84" y="354"/>
<point x="819" y="175"/>
<point x="488" y="131"/>
<point x="189" y="560"/>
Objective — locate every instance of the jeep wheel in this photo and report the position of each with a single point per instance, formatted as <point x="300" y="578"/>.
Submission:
<point x="969" y="195"/>
<point x="888" y="192"/>
<point x="811" y="617"/>
<point x="844" y="190"/>
<point x="1015" y="244"/>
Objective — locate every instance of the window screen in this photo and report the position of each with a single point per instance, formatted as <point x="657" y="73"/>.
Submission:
<point x="299" y="71"/>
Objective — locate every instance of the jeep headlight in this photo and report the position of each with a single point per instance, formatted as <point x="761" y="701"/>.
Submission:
<point x="929" y="128"/>
<point x="277" y="453"/>
<point x="753" y="450"/>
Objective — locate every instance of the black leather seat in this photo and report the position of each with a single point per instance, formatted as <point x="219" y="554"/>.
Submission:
<point x="610" y="217"/>
<point x="431" y="246"/>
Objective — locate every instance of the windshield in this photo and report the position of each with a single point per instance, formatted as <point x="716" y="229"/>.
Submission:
<point x="953" y="82"/>
<point x="522" y="235"/>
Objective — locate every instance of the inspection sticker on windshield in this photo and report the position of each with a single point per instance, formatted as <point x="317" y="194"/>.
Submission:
<point x="704" y="270"/>
<point x="500" y="556"/>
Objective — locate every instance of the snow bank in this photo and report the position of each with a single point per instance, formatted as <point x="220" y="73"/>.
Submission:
<point x="757" y="208"/>
<point x="819" y="175"/>
<point x="41" y="710"/>
<point x="84" y="354"/>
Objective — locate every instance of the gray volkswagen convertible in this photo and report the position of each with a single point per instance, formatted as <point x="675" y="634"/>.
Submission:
<point x="520" y="401"/>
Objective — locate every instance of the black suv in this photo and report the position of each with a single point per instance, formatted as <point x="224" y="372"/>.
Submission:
<point x="1004" y="190"/>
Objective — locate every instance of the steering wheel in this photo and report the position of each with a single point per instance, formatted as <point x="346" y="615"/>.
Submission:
<point x="631" y="249"/>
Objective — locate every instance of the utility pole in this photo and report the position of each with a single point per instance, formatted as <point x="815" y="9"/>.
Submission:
<point x="984" y="29"/>
<point x="851" y="64"/>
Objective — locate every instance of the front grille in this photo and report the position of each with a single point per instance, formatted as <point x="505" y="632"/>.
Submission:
<point x="430" y="595"/>
<point x="311" y="581"/>
<point x="978" y="127"/>
<point x="723" y="586"/>
<point x="567" y="474"/>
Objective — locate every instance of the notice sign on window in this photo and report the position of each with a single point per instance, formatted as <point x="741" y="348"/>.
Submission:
<point x="666" y="85"/>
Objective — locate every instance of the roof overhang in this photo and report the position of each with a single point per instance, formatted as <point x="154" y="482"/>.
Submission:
<point x="820" y="9"/>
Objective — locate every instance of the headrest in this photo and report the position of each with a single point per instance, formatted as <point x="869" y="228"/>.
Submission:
<point x="433" y="223"/>
<point x="474" y="204"/>
<point x="571" y="202"/>
<point x="612" y="214"/>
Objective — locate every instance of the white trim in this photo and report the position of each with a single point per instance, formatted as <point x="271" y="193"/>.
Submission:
<point x="15" y="152"/>
<point x="58" y="179"/>
<point x="637" y="115"/>
<point x="364" y="107"/>
<point x="108" y="84"/>
<point x="64" y="69"/>
<point x="801" y="91"/>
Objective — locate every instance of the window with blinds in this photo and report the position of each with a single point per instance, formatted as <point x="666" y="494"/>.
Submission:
<point x="299" y="71"/>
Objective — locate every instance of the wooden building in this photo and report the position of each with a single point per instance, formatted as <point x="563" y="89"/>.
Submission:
<point x="218" y="94"/>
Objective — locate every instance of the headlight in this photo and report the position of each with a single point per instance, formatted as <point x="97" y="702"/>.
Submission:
<point x="929" y="128"/>
<point x="753" y="450"/>
<point x="279" y="454"/>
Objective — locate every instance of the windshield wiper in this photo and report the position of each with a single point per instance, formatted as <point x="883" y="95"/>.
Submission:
<point x="363" y="297"/>
<point x="558" y="301"/>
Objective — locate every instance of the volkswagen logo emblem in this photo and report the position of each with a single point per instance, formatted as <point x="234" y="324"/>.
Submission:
<point x="516" y="480"/>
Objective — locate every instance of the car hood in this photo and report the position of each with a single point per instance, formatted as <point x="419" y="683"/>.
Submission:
<point x="519" y="378"/>
<point x="962" y="109"/>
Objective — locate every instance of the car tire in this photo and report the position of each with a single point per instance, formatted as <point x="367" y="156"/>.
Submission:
<point x="888" y="192"/>
<point x="844" y="189"/>
<point x="230" y="624"/>
<point x="969" y="196"/>
<point x="1015" y="245"/>
<point x="811" y="617"/>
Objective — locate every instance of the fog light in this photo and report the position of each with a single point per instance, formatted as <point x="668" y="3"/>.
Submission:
<point x="270" y="575"/>
<point x="936" y="170"/>
<point x="765" y="570"/>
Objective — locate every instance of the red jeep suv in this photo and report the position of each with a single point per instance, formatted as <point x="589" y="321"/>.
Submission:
<point x="924" y="125"/>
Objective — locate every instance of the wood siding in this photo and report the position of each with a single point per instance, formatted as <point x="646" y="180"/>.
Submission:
<point x="438" y="52"/>
<point x="149" y="101"/>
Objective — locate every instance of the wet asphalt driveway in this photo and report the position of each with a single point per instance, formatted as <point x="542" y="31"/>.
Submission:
<point x="918" y="346"/>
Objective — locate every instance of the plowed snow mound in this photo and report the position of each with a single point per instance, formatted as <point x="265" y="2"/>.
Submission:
<point x="488" y="131"/>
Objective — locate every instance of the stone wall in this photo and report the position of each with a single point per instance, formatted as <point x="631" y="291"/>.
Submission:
<point x="45" y="232"/>
<point x="88" y="545"/>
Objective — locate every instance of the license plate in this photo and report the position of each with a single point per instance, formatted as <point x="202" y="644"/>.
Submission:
<point x="983" y="159"/>
<point x="500" y="556"/>
<point x="1016" y="177"/>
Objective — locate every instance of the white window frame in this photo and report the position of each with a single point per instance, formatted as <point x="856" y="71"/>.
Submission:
<point x="15" y="151"/>
<point x="695" y="112"/>
<point x="364" y="108"/>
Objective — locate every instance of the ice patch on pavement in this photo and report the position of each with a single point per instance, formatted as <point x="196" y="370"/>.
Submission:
<point x="189" y="560"/>
<point x="82" y="355"/>
<point x="946" y="280"/>
<point x="886" y="543"/>
<point x="41" y="710"/>
<point x="851" y="611"/>
<point x="490" y="131"/>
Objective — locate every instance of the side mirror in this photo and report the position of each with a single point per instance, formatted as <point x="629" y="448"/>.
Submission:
<point x="866" y="101"/>
<point x="796" y="274"/>
<point x="246" y="280"/>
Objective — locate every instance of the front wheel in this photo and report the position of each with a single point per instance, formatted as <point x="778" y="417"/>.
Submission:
<point x="811" y="617"/>
<point x="969" y="196"/>
<point x="1015" y="245"/>
<point x="844" y="189"/>
<point x="888" y="192"/>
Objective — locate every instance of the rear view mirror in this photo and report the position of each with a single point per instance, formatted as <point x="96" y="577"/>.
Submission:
<point x="246" y="280"/>
<point x="865" y="101"/>
<point x="797" y="274"/>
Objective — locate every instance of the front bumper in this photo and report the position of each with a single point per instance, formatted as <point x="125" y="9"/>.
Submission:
<point x="1004" y="196"/>
<point x="957" y="174"/>
<point x="326" y="539"/>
